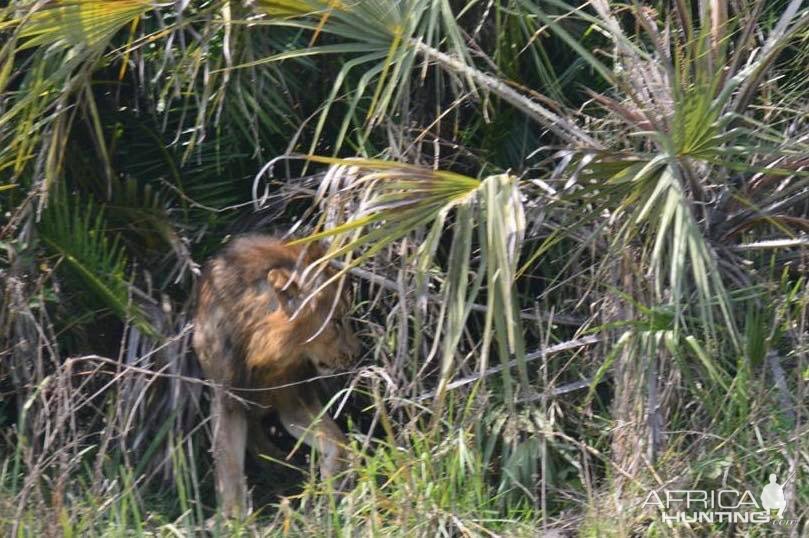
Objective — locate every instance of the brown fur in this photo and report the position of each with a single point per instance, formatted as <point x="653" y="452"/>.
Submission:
<point x="255" y="329"/>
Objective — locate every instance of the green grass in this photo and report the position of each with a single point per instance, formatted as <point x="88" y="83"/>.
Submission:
<point x="418" y="486"/>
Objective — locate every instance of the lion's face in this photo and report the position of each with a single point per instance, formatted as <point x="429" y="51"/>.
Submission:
<point x="336" y="347"/>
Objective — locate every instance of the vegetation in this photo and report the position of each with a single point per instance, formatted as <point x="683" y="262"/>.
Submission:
<point x="577" y="235"/>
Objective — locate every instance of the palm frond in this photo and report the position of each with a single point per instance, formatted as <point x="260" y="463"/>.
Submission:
<point x="76" y="233"/>
<point x="69" y="23"/>
<point x="395" y="200"/>
<point x="390" y="36"/>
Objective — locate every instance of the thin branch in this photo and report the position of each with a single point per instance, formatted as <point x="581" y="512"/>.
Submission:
<point x="564" y="346"/>
<point x="774" y="243"/>
<point x="555" y="123"/>
<point x="779" y="379"/>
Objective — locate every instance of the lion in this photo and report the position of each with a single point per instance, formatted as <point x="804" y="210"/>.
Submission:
<point x="264" y="325"/>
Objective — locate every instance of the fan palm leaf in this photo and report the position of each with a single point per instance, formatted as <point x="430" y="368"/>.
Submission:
<point x="391" y="36"/>
<point x="70" y="23"/>
<point x="397" y="199"/>
<point x="692" y="120"/>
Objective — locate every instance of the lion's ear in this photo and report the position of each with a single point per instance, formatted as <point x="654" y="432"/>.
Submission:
<point x="283" y="281"/>
<point x="287" y="287"/>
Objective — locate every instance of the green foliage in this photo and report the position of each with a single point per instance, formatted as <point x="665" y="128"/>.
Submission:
<point x="76" y="234"/>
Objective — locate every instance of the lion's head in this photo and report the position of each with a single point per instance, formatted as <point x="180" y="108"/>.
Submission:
<point x="317" y="307"/>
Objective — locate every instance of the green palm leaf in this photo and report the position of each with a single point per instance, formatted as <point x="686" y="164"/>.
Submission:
<point x="67" y="23"/>
<point x="76" y="233"/>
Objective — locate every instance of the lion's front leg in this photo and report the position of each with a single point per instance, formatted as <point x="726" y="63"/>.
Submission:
<point x="302" y="415"/>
